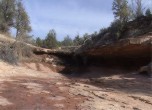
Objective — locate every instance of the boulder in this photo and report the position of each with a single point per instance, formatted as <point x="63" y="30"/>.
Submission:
<point x="146" y="69"/>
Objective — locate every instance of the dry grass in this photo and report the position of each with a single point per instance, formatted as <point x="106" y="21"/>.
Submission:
<point x="6" y="38"/>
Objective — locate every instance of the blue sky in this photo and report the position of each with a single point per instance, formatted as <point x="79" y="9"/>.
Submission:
<point x="68" y="17"/>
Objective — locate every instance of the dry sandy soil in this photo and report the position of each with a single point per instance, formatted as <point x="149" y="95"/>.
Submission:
<point x="37" y="87"/>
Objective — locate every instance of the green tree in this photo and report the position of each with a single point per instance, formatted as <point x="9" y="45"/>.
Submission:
<point x="39" y="42"/>
<point x="7" y="12"/>
<point x="148" y="13"/>
<point x="51" y="41"/>
<point x="85" y="37"/>
<point x="136" y="9"/>
<point x="77" y="41"/>
<point x="67" y="41"/>
<point x="139" y="8"/>
<point x="116" y="28"/>
<point x="121" y="10"/>
<point x="22" y="22"/>
<point x="103" y="31"/>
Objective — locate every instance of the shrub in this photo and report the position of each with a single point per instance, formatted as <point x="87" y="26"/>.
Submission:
<point x="12" y="53"/>
<point x="116" y="29"/>
<point x="22" y="50"/>
<point x="103" y="31"/>
<point x="7" y="54"/>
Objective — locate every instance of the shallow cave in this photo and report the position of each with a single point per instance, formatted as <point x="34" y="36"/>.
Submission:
<point x="78" y="63"/>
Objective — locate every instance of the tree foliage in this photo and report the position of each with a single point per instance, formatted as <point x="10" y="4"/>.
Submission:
<point x="22" y="23"/>
<point x="67" y="41"/>
<point x="148" y="13"/>
<point x="39" y="42"/>
<point x="121" y="10"/>
<point x="50" y="40"/>
<point x="78" y="40"/>
<point x="137" y="9"/>
<point x="13" y="15"/>
<point x="7" y="13"/>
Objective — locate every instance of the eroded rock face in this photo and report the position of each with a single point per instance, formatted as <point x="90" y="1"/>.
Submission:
<point x="126" y="48"/>
<point x="59" y="51"/>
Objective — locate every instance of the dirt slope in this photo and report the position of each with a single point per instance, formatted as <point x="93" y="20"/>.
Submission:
<point x="23" y="88"/>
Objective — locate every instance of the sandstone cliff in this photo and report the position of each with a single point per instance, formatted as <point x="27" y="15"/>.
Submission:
<point x="135" y="42"/>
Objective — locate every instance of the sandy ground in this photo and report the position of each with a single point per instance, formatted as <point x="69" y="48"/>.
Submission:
<point x="37" y="87"/>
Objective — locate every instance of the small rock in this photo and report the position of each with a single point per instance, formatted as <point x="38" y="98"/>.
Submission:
<point x="59" y="105"/>
<point x="57" y="98"/>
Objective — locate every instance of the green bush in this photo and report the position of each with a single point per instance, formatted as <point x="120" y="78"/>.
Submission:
<point x="116" y="29"/>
